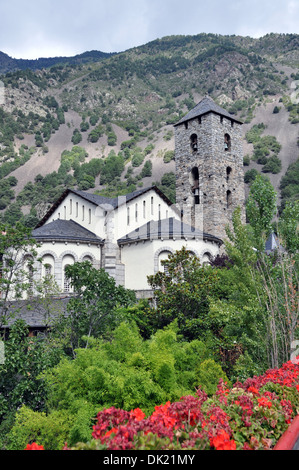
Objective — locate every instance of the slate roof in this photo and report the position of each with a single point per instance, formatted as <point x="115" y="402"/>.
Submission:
<point x="205" y="106"/>
<point x="167" y="229"/>
<point x="272" y="244"/>
<point x="65" y="230"/>
<point x="35" y="313"/>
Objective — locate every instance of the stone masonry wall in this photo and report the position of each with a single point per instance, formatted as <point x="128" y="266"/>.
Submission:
<point x="215" y="209"/>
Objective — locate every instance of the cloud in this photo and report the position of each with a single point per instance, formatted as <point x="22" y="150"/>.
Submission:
<point x="67" y="27"/>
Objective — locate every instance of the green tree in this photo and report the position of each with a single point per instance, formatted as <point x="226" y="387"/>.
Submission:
<point x="17" y="255"/>
<point x="20" y="383"/>
<point x="182" y="292"/>
<point x="93" y="308"/>
<point x="289" y="226"/>
<point x="261" y="208"/>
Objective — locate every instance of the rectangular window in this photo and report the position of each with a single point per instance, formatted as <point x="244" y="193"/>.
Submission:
<point x="159" y="211"/>
<point x="152" y="205"/>
<point x="144" y="209"/>
<point x="89" y="216"/>
<point x="128" y="216"/>
<point x="71" y="206"/>
<point x="83" y="212"/>
<point x="77" y="209"/>
<point x="136" y="212"/>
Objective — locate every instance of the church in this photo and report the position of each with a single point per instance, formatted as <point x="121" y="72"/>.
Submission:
<point x="130" y="235"/>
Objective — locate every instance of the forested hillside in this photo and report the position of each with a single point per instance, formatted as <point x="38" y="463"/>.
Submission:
<point x="104" y="122"/>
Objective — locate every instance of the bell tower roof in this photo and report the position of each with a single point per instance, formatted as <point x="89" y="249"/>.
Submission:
<point x="205" y="106"/>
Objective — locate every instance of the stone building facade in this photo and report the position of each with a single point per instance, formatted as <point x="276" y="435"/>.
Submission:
<point x="209" y="167"/>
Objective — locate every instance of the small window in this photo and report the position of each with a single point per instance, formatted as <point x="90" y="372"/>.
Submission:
<point x="152" y="205"/>
<point x="144" y="209"/>
<point x="89" y="216"/>
<point x="228" y="173"/>
<point x="71" y="205"/>
<point x="228" y="199"/>
<point x="194" y="143"/>
<point x="136" y="212"/>
<point x="227" y="143"/>
<point x="77" y="209"/>
<point x="128" y="216"/>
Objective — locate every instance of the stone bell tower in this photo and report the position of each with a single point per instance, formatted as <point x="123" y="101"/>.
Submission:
<point x="209" y="167"/>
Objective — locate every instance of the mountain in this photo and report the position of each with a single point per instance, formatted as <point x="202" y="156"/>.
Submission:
<point x="105" y="122"/>
<point x="9" y="64"/>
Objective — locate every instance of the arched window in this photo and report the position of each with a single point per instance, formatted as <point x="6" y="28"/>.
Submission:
<point x="48" y="266"/>
<point x="67" y="261"/>
<point x="29" y="273"/>
<point x="227" y="143"/>
<point x="163" y="256"/>
<point x="206" y="258"/>
<point x="193" y="142"/>
<point x="88" y="258"/>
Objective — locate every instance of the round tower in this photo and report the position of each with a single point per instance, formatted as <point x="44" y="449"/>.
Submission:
<point x="209" y="167"/>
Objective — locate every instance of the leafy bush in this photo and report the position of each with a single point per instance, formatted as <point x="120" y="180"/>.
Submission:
<point x="127" y="373"/>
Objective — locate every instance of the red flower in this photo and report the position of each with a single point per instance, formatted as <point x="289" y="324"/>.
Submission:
<point x="34" y="446"/>
<point x="222" y="441"/>
<point x="137" y="414"/>
<point x="264" y="402"/>
<point x="253" y="390"/>
<point x="112" y="431"/>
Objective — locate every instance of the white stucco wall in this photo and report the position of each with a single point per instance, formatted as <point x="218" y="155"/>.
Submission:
<point x="144" y="258"/>
<point x="85" y="213"/>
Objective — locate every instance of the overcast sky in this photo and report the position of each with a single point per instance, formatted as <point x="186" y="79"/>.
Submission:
<point x="47" y="28"/>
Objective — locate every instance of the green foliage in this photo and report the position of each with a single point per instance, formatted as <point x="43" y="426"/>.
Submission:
<point x="261" y="208"/>
<point x="30" y="426"/>
<point x="96" y="133"/>
<point x="168" y="186"/>
<point x="112" y="168"/>
<point x="182" y="293"/>
<point x="266" y="150"/>
<point x="168" y="156"/>
<point x="77" y="137"/>
<point x="147" y="169"/>
<point x="289" y="184"/>
<point x="25" y="359"/>
<point x="288" y="226"/>
<point x="250" y="175"/>
<point x="92" y="309"/>
<point x="126" y="372"/>
<point x="208" y="375"/>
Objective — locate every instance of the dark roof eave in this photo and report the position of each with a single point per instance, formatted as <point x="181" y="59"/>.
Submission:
<point x="70" y="239"/>
<point x="186" y="119"/>
<point x="206" y="237"/>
